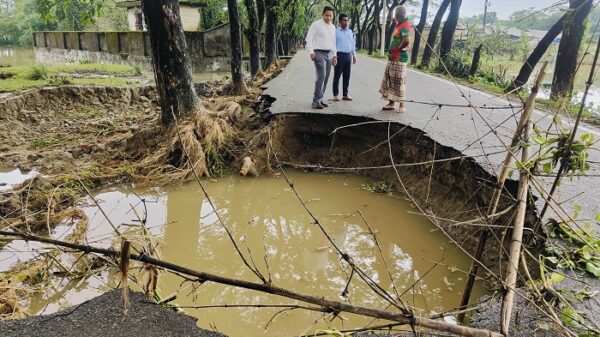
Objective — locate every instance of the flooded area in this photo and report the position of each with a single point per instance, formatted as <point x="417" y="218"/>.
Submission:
<point x="268" y="222"/>
<point x="16" y="56"/>
<point x="10" y="177"/>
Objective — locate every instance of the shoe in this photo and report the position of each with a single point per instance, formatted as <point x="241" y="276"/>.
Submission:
<point x="335" y="98"/>
<point x="324" y="105"/>
<point x="317" y="106"/>
<point x="347" y="98"/>
<point x="401" y="110"/>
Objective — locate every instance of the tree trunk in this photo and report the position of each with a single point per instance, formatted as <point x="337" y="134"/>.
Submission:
<point x="371" y="38"/>
<point x="261" y="10"/>
<point x="449" y="29"/>
<point x="364" y="32"/>
<point x="172" y="66"/>
<point x="537" y="54"/>
<point x="235" y="42"/>
<point x="253" y="37"/>
<point x="270" y="34"/>
<point x="475" y="63"/>
<point x="389" y="23"/>
<point x="374" y="26"/>
<point x="431" y="39"/>
<point x="567" y="57"/>
<point x="419" y="32"/>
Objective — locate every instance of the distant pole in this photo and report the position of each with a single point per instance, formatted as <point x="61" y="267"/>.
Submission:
<point x="485" y="7"/>
<point x="383" y="27"/>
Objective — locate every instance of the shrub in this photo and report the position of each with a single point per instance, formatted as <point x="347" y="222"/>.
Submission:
<point x="456" y="65"/>
<point x="37" y="73"/>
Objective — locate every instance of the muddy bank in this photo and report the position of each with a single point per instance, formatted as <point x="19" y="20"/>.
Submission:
<point x="103" y="316"/>
<point x="455" y="189"/>
<point x="115" y="141"/>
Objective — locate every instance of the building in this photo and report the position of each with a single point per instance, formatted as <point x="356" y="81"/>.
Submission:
<point x="534" y="36"/>
<point x="190" y="12"/>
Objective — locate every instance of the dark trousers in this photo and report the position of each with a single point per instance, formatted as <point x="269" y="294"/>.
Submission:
<point x="344" y="63"/>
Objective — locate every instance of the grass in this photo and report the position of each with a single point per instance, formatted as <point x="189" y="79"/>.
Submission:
<point x="376" y="53"/>
<point x="87" y="74"/>
<point x="44" y="142"/>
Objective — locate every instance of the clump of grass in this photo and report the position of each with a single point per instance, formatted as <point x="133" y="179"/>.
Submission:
<point x="37" y="73"/>
<point x="381" y="187"/>
<point x="136" y="70"/>
<point x="4" y="76"/>
<point x="86" y="112"/>
<point x="44" y="142"/>
<point x="59" y="80"/>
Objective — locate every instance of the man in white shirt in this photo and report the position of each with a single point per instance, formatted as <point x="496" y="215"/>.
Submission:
<point x="320" y="42"/>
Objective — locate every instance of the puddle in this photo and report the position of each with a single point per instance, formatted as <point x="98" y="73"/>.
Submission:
<point x="268" y="221"/>
<point x="9" y="178"/>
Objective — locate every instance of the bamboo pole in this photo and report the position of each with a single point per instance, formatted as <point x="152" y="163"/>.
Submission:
<point x="525" y="116"/>
<point x="332" y="306"/>
<point x="514" y="145"/>
<point x="517" y="236"/>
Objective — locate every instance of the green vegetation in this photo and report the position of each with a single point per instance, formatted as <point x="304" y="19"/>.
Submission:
<point x="38" y="76"/>
<point x="381" y="187"/>
<point x="585" y="256"/>
<point x="18" y="24"/>
<point x="44" y="142"/>
<point x="376" y="53"/>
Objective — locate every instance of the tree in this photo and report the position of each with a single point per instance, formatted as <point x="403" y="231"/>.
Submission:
<point x="235" y="41"/>
<point x="172" y="66"/>
<point x="475" y="63"/>
<point x="213" y="14"/>
<point x="253" y="33"/>
<point x="389" y="24"/>
<point x="18" y="24"/>
<point x="568" y="50"/>
<point x="419" y="31"/>
<point x="449" y="29"/>
<point x="270" y="34"/>
<point x="70" y="14"/>
<point x="537" y="54"/>
<point x="431" y="39"/>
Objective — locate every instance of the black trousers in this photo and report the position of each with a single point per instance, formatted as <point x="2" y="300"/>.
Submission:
<point x="344" y="63"/>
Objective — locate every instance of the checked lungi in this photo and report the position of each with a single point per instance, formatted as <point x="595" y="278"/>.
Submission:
<point x="393" y="85"/>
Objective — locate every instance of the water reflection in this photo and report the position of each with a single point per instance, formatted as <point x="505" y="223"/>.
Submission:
<point x="10" y="177"/>
<point x="277" y="235"/>
<point x="16" y="56"/>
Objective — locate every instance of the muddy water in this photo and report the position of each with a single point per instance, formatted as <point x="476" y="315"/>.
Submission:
<point x="9" y="177"/>
<point x="16" y="56"/>
<point x="268" y="221"/>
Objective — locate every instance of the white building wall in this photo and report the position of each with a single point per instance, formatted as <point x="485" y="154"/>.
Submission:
<point x="190" y="18"/>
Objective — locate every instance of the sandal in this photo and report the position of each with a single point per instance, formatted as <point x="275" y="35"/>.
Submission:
<point x="388" y="107"/>
<point x="401" y="110"/>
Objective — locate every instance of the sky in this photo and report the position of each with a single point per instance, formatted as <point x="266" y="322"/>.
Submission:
<point x="504" y="8"/>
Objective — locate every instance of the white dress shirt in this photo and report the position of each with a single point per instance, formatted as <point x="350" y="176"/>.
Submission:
<point x="321" y="35"/>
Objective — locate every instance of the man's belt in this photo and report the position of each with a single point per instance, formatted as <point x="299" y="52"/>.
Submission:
<point x="323" y="50"/>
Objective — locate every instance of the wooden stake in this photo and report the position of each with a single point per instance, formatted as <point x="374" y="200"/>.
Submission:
<point x="525" y="116"/>
<point x="517" y="235"/>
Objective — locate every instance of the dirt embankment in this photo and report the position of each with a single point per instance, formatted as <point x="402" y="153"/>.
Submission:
<point x="97" y="136"/>
<point x="81" y="138"/>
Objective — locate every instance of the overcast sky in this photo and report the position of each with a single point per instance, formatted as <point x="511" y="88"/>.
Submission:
<point x="504" y="8"/>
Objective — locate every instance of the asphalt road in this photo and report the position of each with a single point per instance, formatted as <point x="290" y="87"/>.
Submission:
<point x="466" y="129"/>
<point x="103" y="317"/>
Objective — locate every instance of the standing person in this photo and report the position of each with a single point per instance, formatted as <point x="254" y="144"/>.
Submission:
<point x="320" y="42"/>
<point x="346" y="56"/>
<point x="393" y="85"/>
